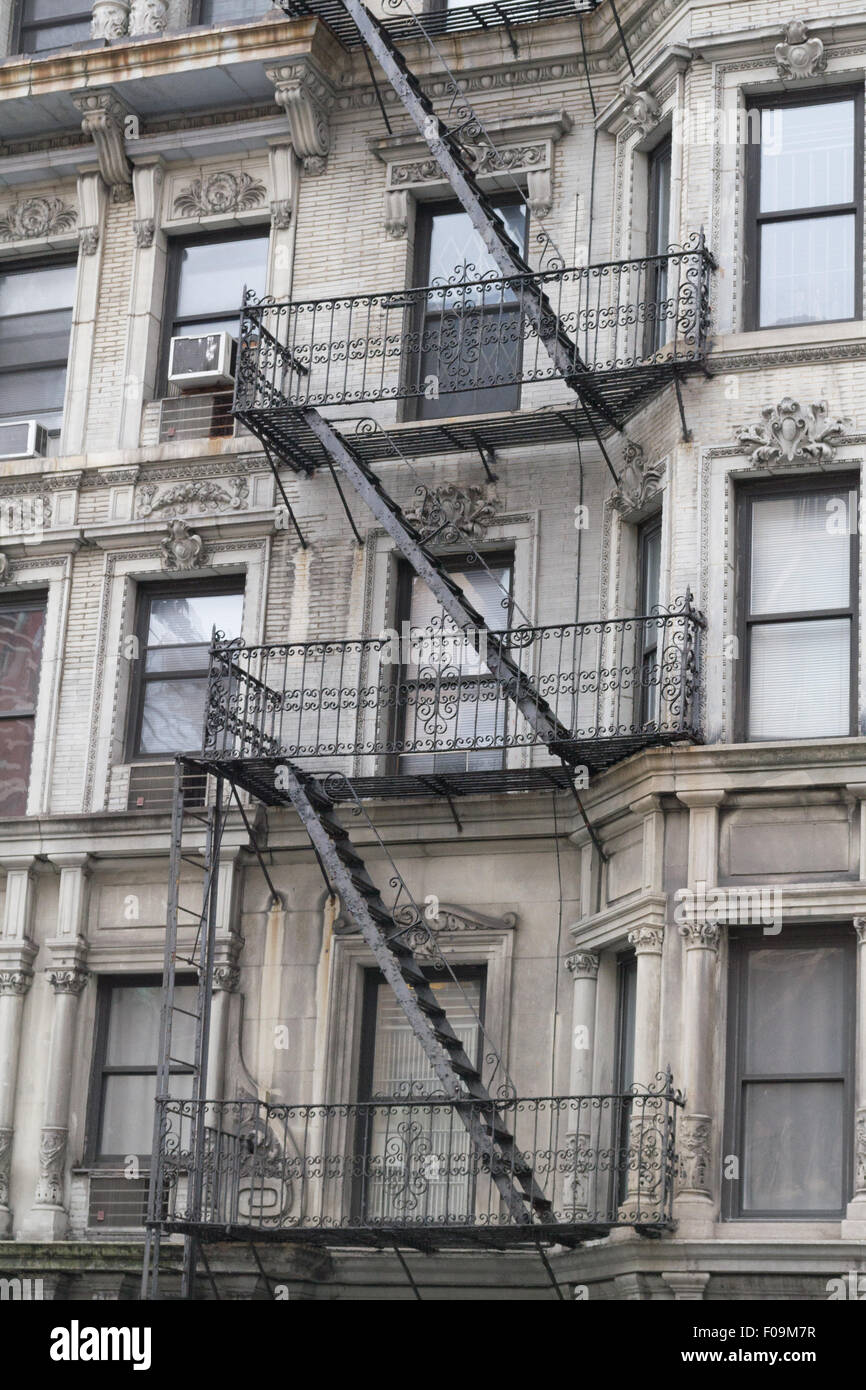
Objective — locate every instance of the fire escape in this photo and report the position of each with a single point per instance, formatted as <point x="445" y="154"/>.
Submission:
<point x="320" y="725"/>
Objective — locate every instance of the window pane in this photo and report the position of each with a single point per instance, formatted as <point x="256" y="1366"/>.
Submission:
<point x="35" y="338"/>
<point x="794" y="1133"/>
<point x="191" y="618"/>
<point x="660" y="188"/>
<point x="807" y="156"/>
<point x="127" y="1115"/>
<point x="55" y="36"/>
<point x="399" y="1065"/>
<point x="173" y="716"/>
<point x="795" y="1011"/>
<point x="133" y="1025"/>
<point x="457" y="251"/>
<point x="178" y="659"/>
<point x="226" y="11"/>
<point x="801" y="553"/>
<point x="489" y="596"/>
<point x="32" y="291"/>
<point x="33" y="394"/>
<point x="20" y="654"/>
<point x="799" y="680"/>
<point x="213" y="276"/>
<point x="16" y="742"/>
<point x="807" y="270"/>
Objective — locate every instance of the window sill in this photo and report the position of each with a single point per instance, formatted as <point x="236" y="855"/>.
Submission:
<point x="807" y="339"/>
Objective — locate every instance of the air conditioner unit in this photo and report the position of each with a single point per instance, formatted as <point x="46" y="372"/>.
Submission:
<point x="22" y="439"/>
<point x="206" y="360"/>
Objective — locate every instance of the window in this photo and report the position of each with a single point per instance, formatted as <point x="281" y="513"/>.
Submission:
<point x="649" y="550"/>
<point x="449" y="699"/>
<point x="231" y="11"/>
<point x="175" y="626"/>
<point x="206" y="281"/>
<point x="805" y="229"/>
<point x="22" y="625"/>
<point x="393" y="1066"/>
<point x="626" y="1007"/>
<point x="48" y="24"/>
<point x="465" y="336"/>
<point x="791" y="1063"/>
<point x="658" y="241"/>
<point x="798" y="581"/>
<point x="35" y="321"/>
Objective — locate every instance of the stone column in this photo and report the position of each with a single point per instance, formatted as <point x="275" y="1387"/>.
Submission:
<point x="92" y="203"/>
<point x="697" y="1135"/>
<point x="580" y="1127"/>
<point x="17" y="953"/>
<point x="226" y="977"/>
<point x="284" y="206"/>
<point x="854" y="1225"/>
<point x="647" y="943"/>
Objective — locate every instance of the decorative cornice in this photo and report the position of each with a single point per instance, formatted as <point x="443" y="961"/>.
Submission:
<point x="582" y="965"/>
<point x="787" y="433"/>
<point x="799" y="56"/>
<point x="36" y="217"/>
<point x="103" y="117"/>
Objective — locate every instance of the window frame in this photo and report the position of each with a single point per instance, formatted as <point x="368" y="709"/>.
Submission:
<point x="831" y="485"/>
<point x="170" y="320"/>
<point x="657" y="276"/>
<point x="647" y="530"/>
<point x="27" y="601"/>
<point x="99" y="1070"/>
<point x="793" y="937"/>
<point x="178" y="588"/>
<point x="755" y="219"/>
<point x="18" y="28"/>
<point x="28" y="264"/>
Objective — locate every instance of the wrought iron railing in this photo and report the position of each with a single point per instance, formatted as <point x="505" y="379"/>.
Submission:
<point x="438" y="18"/>
<point x="475" y="338"/>
<point x="427" y="698"/>
<point x="334" y="1171"/>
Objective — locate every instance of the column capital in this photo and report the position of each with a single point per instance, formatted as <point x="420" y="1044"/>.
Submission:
<point x="701" y="935"/>
<point x="72" y="859"/>
<point x="646" y="805"/>
<point x="18" y="863"/>
<point x="702" y="800"/>
<point x="226" y="976"/>
<point x="582" y="964"/>
<point x="647" y="941"/>
<point x="860" y="929"/>
<point x="71" y="980"/>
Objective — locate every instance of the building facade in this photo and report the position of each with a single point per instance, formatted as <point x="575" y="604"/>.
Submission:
<point x="700" y="904"/>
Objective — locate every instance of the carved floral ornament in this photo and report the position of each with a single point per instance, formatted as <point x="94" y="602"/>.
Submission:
<point x="219" y="194"/>
<point x="196" y="495"/>
<point x="36" y="217"/>
<point x="799" y="56"/>
<point x="789" y="433"/>
<point x="450" y="514"/>
<point x="639" y="481"/>
<point x="641" y="106"/>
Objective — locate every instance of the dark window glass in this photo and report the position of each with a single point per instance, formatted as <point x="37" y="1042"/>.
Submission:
<point x="658" y="239"/>
<point x="791" y="1041"/>
<point x="449" y="696"/>
<point x="22" y="625"/>
<point x="807" y="212"/>
<point x="465" y="336"/>
<point x="798" y="583"/>
<point x="206" y="284"/>
<point x="35" y="321"/>
<point x="649" y="573"/>
<point x="175" y="629"/>
<point x="126" y="1063"/>
<point x="48" y="24"/>
<point x="231" y="11"/>
<point x="626" y="969"/>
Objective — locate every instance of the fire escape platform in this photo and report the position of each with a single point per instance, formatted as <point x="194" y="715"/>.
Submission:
<point x="462" y="19"/>
<point x="425" y="1239"/>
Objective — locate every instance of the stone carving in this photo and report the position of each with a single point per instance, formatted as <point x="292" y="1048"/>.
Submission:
<point x="36" y="217"/>
<point x="181" y="549"/>
<point x="641" y="107"/>
<point x="5" y="1164"/>
<point x="860" y="929"/>
<point x="396" y="213"/>
<point x="88" y="240"/>
<point x="860" y="1152"/>
<point x="421" y="933"/>
<point x="451" y="514"/>
<point x="694" y="1146"/>
<point x="798" y="55"/>
<point x="787" y="432"/>
<point x="226" y="977"/>
<point x="281" y="214"/>
<point x="701" y="934"/>
<point x="582" y="964"/>
<point x="646" y="940"/>
<point x="4" y="568"/>
<point x="219" y="193"/>
<point x="145" y="230"/>
<point x="103" y="118"/>
<point x="203" y="495"/>
<point x="52" y="1152"/>
<point x="70" y="981"/>
<point x="306" y="97"/>
<point x="109" y="19"/>
<point x="639" y="481"/>
<point x="15" y="981"/>
<point x="148" y="16"/>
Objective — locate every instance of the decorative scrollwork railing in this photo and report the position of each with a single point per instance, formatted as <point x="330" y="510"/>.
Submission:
<point x="474" y="338"/>
<point x="426" y="695"/>
<point x="408" y="1163"/>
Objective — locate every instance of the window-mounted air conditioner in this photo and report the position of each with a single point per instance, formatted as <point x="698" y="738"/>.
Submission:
<point x="22" y="439"/>
<point x="206" y="360"/>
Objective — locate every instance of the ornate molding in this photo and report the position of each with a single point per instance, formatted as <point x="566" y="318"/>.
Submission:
<point x="69" y="981"/>
<point x="306" y="96"/>
<point x="144" y="229"/>
<point x="451" y="514"/>
<point x="639" y="481"/>
<point x="15" y="981"/>
<point x="860" y="1152"/>
<point x="647" y="941"/>
<point x="226" y="977"/>
<point x="582" y="965"/>
<point x="701" y="935"/>
<point x="103" y="117"/>
<point x="860" y="929"/>
<point x="694" y="1145"/>
<point x="788" y="432"/>
<point x="110" y="19"/>
<point x="148" y="16"/>
<point x="200" y="494"/>
<point x="36" y="217"/>
<point x="88" y="240"/>
<point x="799" y="56"/>
<point x="396" y="213"/>
<point x="181" y="549"/>
<point x="641" y="107"/>
<point x="52" y="1155"/>
<point x="4" y="569"/>
<point x="281" y="214"/>
<point x="450" y="918"/>
<point x="219" y="194"/>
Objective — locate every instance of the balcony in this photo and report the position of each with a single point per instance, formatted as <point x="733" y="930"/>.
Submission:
<point x="419" y="712"/>
<point x="446" y="365"/>
<point x="461" y="19"/>
<point x="372" y="1172"/>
